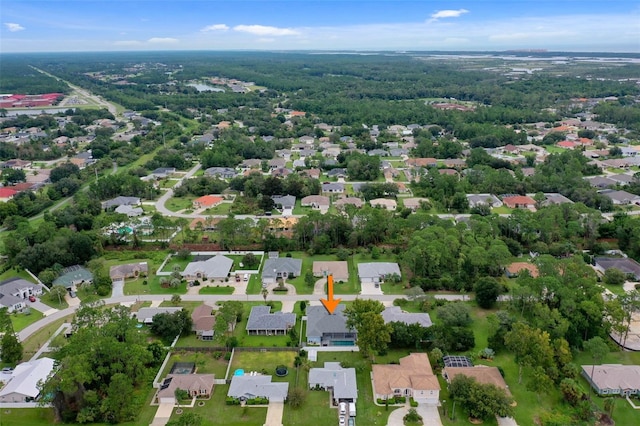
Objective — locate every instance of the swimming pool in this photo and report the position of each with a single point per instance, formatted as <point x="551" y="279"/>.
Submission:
<point x="239" y="372"/>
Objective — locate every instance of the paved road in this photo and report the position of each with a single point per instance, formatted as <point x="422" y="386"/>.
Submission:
<point x="160" y="204"/>
<point x="211" y="300"/>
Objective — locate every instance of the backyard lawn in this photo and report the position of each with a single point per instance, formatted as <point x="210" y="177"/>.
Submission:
<point x="176" y="204"/>
<point x="205" y="362"/>
<point x="265" y="362"/>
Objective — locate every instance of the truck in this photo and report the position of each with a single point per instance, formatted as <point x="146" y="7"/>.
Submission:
<point x="352" y="409"/>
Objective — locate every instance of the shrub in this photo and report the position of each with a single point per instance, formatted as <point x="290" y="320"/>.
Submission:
<point x="413" y="403"/>
<point x="227" y="356"/>
<point x="412" y="416"/>
<point x="232" y="401"/>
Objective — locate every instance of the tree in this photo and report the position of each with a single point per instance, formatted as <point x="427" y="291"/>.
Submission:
<point x="10" y="348"/>
<point x="531" y="346"/>
<point x="176" y="299"/>
<point x="364" y="315"/>
<point x="13" y="176"/>
<point x="309" y="279"/>
<point x="571" y="391"/>
<point x="187" y="419"/>
<point x="296" y="396"/>
<point x="487" y="291"/>
<point x="614" y="276"/>
<point x="455" y="314"/>
<point x="168" y="326"/>
<point x="250" y="260"/>
<point x="57" y="294"/>
<point x="598" y="349"/>
<point x="481" y="401"/>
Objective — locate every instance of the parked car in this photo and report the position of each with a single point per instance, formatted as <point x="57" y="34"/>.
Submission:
<point x="72" y="293"/>
<point x="7" y="370"/>
<point x="342" y="421"/>
<point x="32" y="298"/>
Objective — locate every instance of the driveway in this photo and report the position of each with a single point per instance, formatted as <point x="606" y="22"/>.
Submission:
<point x="117" y="288"/>
<point x="274" y="414"/>
<point x="39" y="306"/>
<point x="369" y="289"/>
<point x="163" y="414"/>
<point x="506" y="421"/>
<point x="429" y="413"/>
<point x="320" y="287"/>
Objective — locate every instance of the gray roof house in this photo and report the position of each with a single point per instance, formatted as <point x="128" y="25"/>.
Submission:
<point x="262" y="322"/>
<point x="130" y="211"/>
<point x="215" y="268"/>
<point x="555" y="198"/>
<point x="121" y="201"/>
<point x="624" y="264"/>
<point x="72" y="276"/>
<point x="284" y="202"/>
<point x="332" y="188"/>
<point x="613" y="379"/>
<point x="163" y="172"/>
<point x="488" y="199"/>
<point x="341" y="382"/>
<point x="377" y="271"/>
<point x="280" y="267"/>
<point x="620" y="197"/>
<point x="601" y="182"/>
<point x="396" y="314"/>
<point x="251" y="386"/>
<point x="14" y="293"/>
<point x="221" y="172"/>
<point x="338" y="172"/>
<point x="145" y="315"/>
<point x="324" y="329"/>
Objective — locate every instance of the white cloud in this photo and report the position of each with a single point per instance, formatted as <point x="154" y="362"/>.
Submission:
<point x="158" y="40"/>
<point x="262" y="30"/>
<point x="449" y="13"/>
<point x="13" y="27"/>
<point x="266" y="40"/>
<point x="215" y="27"/>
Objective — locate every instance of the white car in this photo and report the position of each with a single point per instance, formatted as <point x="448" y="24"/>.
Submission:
<point x="342" y="421"/>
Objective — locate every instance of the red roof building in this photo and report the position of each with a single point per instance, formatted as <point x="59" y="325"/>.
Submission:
<point x="519" y="202"/>
<point x="207" y="201"/>
<point x="7" y="193"/>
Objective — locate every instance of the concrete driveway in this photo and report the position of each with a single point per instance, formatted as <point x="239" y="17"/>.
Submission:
<point x="429" y="413"/>
<point x="163" y="414"/>
<point x="117" y="288"/>
<point x="274" y="414"/>
<point x="39" y="306"/>
<point x="369" y="289"/>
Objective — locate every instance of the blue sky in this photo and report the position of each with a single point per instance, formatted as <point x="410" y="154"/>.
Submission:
<point x="117" y="25"/>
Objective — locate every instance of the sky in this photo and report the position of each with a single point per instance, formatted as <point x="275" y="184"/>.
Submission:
<point x="476" y="25"/>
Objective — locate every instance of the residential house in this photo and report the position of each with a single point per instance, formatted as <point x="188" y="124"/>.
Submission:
<point x="263" y="322"/>
<point x="414" y="203"/>
<point x="319" y="202"/>
<point x="282" y="226"/>
<point x="284" y="203"/>
<point x="623" y="264"/>
<point x="338" y="269"/>
<point x="277" y="163"/>
<point x="311" y="173"/>
<point x="281" y="267"/>
<point x="376" y="272"/>
<point x="622" y="179"/>
<point x="348" y="201"/>
<point x="16" y="164"/>
<point x="221" y="172"/>
<point x="340" y="382"/>
<point x="601" y="182"/>
<point x="130" y="211"/>
<point x="519" y="202"/>
<point x="412" y="377"/>
<point x="422" y="162"/>
<point x="396" y="314"/>
<point x="120" y="201"/>
<point x="481" y="373"/>
<point x="14" y="293"/>
<point x="613" y="379"/>
<point x="128" y="270"/>
<point x="324" y="329"/>
<point x="207" y="202"/>
<point x="454" y="163"/>
<point x="203" y="321"/>
<point x="281" y="172"/>
<point x="378" y="152"/>
<point x="73" y="276"/>
<point x="617" y="163"/>
<point x="332" y="188"/>
<point x="490" y="200"/>
<point x="24" y="385"/>
<point x="553" y="198"/>
<point x="251" y="163"/>
<point x="514" y="269"/>
<point x="145" y="315"/>
<point x="163" y="172"/>
<point x="196" y="385"/>
<point x="249" y="386"/>
<point x="307" y="140"/>
<point x="205" y="223"/>
<point x="384" y="203"/>
<point x="620" y="198"/>
<point x="6" y="194"/>
<point x="299" y="164"/>
<point x="338" y="172"/>
<point x="214" y="268"/>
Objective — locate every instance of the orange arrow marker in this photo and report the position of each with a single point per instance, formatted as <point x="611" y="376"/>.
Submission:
<point x="330" y="303"/>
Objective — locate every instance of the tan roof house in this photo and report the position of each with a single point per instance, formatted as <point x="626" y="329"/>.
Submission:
<point x="414" y="203"/>
<point x="384" y="203"/>
<point x="412" y="377"/>
<point x="515" y="268"/>
<point x="196" y="385"/>
<point x="613" y="379"/>
<point x="128" y="270"/>
<point x="339" y="270"/>
<point x="203" y="322"/>
<point x="482" y="373"/>
<point x="354" y="201"/>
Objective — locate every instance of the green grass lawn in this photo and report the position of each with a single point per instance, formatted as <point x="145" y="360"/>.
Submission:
<point x="27" y="416"/>
<point x="40" y="337"/>
<point x="216" y="412"/>
<point x="175" y="262"/>
<point x="266" y="362"/>
<point x="352" y="286"/>
<point x="217" y="290"/>
<point x="255" y="284"/>
<point x="205" y="362"/>
<point x="176" y="204"/>
<point x="22" y="320"/>
<point x="223" y="208"/>
<point x="501" y="210"/>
